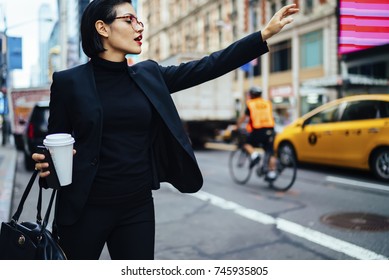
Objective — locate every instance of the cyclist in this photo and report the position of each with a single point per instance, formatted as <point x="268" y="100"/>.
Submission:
<point x="259" y="113"/>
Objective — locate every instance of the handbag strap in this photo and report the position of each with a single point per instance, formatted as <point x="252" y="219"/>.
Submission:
<point x="18" y="212"/>
<point x="39" y="207"/>
<point x="54" y="228"/>
<point x="47" y="215"/>
<point x="45" y="221"/>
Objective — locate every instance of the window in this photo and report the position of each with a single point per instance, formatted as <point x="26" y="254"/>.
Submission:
<point x="362" y="110"/>
<point x="326" y="116"/>
<point x="273" y="8"/>
<point x="281" y="57"/>
<point x="220" y="27"/>
<point x="308" y="7"/>
<point x="206" y="31"/>
<point x="311" y="51"/>
<point x="255" y="20"/>
<point x="376" y="70"/>
<point x="256" y="64"/>
<point x="384" y="109"/>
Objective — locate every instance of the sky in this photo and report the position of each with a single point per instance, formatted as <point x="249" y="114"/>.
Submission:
<point x="22" y="21"/>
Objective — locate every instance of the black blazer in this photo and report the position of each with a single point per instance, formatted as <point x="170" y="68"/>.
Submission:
<point x="75" y="108"/>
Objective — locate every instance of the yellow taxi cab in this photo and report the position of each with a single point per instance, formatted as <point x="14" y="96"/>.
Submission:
<point x="349" y="132"/>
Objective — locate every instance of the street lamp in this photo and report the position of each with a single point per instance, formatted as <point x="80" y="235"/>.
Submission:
<point x="252" y="5"/>
<point x="4" y="71"/>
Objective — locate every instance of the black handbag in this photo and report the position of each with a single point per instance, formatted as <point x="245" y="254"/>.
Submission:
<point x="29" y="240"/>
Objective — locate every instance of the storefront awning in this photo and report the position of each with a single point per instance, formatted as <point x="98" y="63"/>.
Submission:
<point x="350" y="80"/>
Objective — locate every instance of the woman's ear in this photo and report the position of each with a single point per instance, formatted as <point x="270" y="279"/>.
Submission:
<point x="101" y="28"/>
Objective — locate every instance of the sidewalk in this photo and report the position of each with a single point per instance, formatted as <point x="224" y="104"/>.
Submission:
<point x="8" y="159"/>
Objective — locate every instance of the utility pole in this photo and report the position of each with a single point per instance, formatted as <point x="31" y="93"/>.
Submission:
<point x="4" y="85"/>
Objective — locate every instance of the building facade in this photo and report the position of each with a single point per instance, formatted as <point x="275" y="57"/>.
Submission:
<point x="303" y="51"/>
<point x="302" y="70"/>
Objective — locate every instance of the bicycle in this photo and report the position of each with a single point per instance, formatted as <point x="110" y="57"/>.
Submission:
<point x="240" y="171"/>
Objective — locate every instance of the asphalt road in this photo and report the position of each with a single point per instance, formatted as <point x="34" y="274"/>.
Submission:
<point x="252" y="222"/>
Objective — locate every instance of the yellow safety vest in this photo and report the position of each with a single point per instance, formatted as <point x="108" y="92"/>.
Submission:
<point x="261" y="114"/>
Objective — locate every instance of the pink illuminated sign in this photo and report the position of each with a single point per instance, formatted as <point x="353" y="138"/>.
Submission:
<point x="363" y="24"/>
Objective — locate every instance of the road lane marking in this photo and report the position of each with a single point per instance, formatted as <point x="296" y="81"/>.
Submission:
<point x="328" y="241"/>
<point x="236" y="208"/>
<point x="314" y="236"/>
<point x="361" y="184"/>
<point x="293" y="228"/>
<point x="220" y="146"/>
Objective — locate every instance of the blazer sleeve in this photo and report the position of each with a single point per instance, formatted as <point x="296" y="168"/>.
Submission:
<point x="59" y="119"/>
<point x="215" y="65"/>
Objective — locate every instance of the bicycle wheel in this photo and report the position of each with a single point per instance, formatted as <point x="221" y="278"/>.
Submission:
<point x="286" y="173"/>
<point x="239" y="165"/>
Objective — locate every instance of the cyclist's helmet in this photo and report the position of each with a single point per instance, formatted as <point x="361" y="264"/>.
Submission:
<point x="255" y="92"/>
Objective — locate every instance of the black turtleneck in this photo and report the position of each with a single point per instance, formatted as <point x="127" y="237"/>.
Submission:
<point x="124" y="165"/>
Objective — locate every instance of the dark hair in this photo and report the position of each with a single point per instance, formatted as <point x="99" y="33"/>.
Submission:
<point x="97" y="10"/>
<point x="255" y="92"/>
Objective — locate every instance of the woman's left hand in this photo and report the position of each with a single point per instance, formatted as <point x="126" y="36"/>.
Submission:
<point x="278" y="21"/>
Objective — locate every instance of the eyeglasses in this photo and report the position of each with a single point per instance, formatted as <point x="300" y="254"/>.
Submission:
<point x="135" y="23"/>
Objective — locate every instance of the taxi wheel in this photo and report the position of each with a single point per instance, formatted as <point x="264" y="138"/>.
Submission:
<point x="287" y="148"/>
<point x="380" y="163"/>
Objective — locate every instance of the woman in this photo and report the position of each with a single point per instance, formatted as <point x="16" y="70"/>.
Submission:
<point x="128" y="134"/>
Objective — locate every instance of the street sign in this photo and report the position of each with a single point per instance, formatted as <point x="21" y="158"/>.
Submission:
<point x="14" y="60"/>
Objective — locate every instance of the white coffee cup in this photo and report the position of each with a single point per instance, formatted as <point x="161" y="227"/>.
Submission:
<point x="60" y="146"/>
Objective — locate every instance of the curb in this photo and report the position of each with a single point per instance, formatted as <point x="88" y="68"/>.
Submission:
<point x="8" y="159"/>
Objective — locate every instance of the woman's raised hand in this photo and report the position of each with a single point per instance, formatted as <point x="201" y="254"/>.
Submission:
<point x="278" y="21"/>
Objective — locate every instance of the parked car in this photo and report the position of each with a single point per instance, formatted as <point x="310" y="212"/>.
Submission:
<point x="348" y="132"/>
<point x="36" y="131"/>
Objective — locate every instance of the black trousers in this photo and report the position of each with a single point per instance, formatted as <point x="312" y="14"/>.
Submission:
<point x="263" y="137"/>
<point x="127" y="228"/>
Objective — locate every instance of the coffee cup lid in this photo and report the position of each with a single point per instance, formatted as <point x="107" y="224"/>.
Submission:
<point x="58" y="139"/>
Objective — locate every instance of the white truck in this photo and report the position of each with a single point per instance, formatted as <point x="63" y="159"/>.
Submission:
<point x="207" y="108"/>
<point x="22" y="100"/>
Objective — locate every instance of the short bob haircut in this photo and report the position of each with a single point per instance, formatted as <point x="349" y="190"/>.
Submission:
<point x="97" y="10"/>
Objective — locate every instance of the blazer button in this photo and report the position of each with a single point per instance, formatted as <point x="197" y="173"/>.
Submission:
<point x="94" y="162"/>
